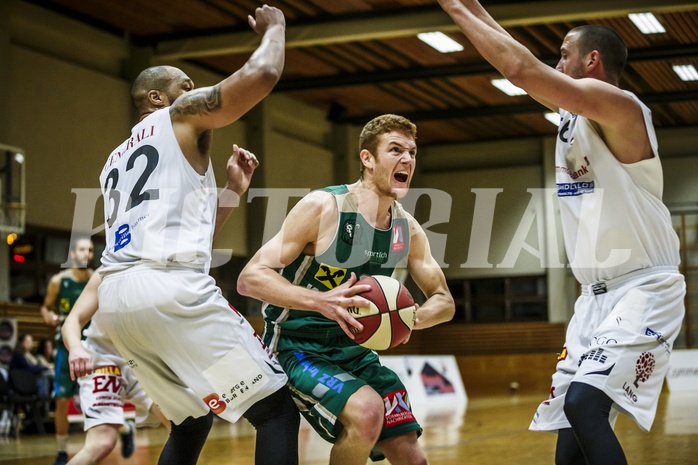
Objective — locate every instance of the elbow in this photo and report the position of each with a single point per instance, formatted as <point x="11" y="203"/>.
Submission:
<point x="450" y="309"/>
<point x="242" y="286"/>
<point x="266" y="73"/>
<point x="245" y="283"/>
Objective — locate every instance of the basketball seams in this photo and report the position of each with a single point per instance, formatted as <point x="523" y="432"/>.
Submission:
<point x="390" y="303"/>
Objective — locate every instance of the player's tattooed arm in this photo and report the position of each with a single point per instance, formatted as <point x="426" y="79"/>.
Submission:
<point x="198" y="102"/>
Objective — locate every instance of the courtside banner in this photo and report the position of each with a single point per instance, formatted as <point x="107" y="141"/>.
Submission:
<point x="683" y="371"/>
<point x="429" y="379"/>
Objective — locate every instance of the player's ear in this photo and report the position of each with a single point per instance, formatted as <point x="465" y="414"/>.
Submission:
<point x="593" y="60"/>
<point x="366" y="158"/>
<point x="157" y="98"/>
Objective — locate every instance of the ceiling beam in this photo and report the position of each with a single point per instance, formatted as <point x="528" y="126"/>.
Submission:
<point x="379" y="26"/>
<point x="459" y="69"/>
<point x="497" y="110"/>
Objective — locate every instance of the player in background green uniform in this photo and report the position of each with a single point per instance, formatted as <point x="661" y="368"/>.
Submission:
<point x="63" y="290"/>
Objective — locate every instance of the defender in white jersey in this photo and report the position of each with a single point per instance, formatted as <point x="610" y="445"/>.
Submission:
<point x="618" y="235"/>
<point x="194" y="354"/>
<point x="105" y="381"/>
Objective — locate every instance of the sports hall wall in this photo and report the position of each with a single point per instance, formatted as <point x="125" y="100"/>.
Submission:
<point x="65" y="95"/>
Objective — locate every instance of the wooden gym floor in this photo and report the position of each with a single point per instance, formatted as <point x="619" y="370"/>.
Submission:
<point x="491" y="431"/>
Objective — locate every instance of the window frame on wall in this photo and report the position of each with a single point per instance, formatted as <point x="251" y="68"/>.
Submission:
<point x="500" y="299"/>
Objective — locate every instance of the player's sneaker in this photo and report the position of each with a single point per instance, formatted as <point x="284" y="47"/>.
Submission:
<point x="128" y="445"/>
<point x="61" y="458"/>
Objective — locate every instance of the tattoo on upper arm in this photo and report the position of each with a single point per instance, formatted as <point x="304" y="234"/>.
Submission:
<point x="198" y="103"/>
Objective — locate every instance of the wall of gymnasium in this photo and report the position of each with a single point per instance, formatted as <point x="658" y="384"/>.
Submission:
<point x="69" y="106"/>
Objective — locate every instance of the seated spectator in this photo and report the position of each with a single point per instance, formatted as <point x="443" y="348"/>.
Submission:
<point x="44" y="353"/>
<point x="24" y="359"/>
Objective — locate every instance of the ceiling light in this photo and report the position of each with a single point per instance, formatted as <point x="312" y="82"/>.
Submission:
<point x="440" y="42"/>
<point x="647" y="23"/>
<point x="507" y="87"/>
<point x="553" y="118"/>
<point x="686" y="72"/>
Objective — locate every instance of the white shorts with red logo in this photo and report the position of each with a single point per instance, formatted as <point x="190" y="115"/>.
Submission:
<point x="191" y="351"/>
<point x="619" y="341"/>
<point x="103" y="393"/>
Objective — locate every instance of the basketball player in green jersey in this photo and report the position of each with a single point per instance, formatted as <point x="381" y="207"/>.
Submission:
<point x="63" y="290"/>
<point x="305" y="275"/>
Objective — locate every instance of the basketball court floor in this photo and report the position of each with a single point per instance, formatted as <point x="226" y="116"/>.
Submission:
<point x="489" y="431"/>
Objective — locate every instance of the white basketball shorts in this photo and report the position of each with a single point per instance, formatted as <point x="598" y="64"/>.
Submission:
<point x="103" y="393"/>
<point x="619" y="341"/>
<point x="191" y="351"/>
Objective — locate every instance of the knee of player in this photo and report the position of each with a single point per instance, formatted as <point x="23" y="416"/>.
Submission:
<point x="577" y="401"/>
<point x="364" y="413"/>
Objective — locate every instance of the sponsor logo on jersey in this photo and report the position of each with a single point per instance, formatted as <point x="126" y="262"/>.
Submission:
<point x="398" y="238"/>
<point x="330" y="276"/>
<point x="351" y="232"/>
<point x="594" y="356"/>
<point x="644" y="366"/>
<point x="106" y="379"/>
<point x="603" y="340"/>
<point x="663" y="342"/>
<point x="110" y="370"/>
<point x="572" y="189"/>
<point x="562" y="355"/>
<point x="598" y="288"/>
<point x="378" y="257"/>
<point x="214" y="402"/>
<point x="122" y="237"/>
<point x="397" y="408"/>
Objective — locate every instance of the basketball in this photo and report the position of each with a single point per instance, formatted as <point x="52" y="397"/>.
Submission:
<point x="389" y="318"/>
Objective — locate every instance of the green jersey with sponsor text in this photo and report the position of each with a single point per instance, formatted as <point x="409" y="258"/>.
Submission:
<point x="357" y="247"/>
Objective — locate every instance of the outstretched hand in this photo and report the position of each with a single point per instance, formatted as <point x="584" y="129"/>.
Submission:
<point x="265" y="17"/>
<point x="241" y="166"/>
<point x="334" y="304"/>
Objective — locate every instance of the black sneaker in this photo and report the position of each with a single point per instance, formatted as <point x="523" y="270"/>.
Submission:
<point x="128" y="445"/>
<point x="61" y="458"/>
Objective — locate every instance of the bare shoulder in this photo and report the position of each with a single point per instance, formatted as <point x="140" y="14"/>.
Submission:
<point x="316" y="202"/>
<point x="198" y="102"/>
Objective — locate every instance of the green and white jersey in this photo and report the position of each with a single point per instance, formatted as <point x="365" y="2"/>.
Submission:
<point x="69" y="289"/>
<point x="357" y="247"/>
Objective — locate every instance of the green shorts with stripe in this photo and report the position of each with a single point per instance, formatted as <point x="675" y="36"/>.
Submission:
<point x="323" y="374"/>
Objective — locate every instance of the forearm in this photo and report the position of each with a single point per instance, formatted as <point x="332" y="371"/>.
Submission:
<point x="270" y="55"/>
<point x="269" y="286"/>
<point x="487" y="36"/>
<point x="72" y="333"/>
<point x="228" y="200"/>
<point x="439" y="308"/>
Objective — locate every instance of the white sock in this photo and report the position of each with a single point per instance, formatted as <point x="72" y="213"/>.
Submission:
<point x="62" y="442"/>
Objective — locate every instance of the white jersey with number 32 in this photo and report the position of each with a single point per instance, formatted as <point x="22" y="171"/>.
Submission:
<point x="158" y="210"/>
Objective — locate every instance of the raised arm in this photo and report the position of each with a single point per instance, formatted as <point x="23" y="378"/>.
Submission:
<point x="300" y="233"/>
<point x="618" y="114"/>
<point x="427" y="274"/>
<point x="83" y="310"/>
<point x="224" y="103"/>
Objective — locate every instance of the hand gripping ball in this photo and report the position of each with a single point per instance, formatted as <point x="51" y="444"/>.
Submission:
<point x="389" y="317"/>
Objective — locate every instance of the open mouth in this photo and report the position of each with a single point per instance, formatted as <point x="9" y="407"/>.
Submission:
<point x="401" y="176"/>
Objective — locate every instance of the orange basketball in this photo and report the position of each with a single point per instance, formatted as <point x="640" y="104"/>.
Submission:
<point x="389" y="317"/>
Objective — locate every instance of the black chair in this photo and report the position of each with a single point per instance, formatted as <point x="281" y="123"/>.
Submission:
<point x="24" y="394"/>
<point x="8" y="420"/>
